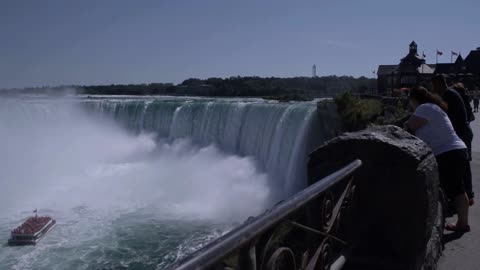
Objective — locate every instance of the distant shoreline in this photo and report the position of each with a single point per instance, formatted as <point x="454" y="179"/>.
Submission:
<point x="296" y="88"/>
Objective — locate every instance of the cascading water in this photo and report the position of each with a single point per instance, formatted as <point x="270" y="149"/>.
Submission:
<point x="277" y="135"/>
<point x="140" y="182"/>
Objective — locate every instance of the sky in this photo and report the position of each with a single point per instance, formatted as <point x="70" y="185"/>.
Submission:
<point x="90" y="42"/>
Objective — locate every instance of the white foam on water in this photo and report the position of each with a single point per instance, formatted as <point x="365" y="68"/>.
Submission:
<point x="89" y="174"/>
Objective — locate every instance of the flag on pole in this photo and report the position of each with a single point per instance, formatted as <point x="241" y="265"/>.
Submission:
<point x="439" y="52"/>
<point x="454" y="53"/>
<point x="35" y="211"/>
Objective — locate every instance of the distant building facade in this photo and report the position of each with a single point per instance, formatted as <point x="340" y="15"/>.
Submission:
<point x="413" y="70"/>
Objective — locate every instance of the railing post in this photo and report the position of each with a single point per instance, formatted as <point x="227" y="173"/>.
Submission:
<point x="248" y="259"/>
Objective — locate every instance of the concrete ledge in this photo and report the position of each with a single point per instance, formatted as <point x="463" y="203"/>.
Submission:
<point x="396" y="220"/>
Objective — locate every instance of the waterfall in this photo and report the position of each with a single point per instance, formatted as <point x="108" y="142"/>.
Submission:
<point x="150" y="178"/>
<point x="278" y="135"/>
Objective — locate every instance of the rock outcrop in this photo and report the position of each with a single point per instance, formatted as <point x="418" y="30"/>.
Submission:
<point x="397" y="222"/>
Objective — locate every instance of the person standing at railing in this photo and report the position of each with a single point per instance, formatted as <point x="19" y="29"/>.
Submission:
<point x="430" y="123"/>
<point x="468" y="141"/>
<point x="460" y="88"/>
<point x="458" y="116"/>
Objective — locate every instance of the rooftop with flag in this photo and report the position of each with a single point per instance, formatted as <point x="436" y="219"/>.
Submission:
<point x="413" y="70"/>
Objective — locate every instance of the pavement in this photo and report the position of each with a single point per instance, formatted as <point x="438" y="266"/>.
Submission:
<point x="462" y="252"/>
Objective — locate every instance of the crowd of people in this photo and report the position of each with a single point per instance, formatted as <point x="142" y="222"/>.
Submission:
<point x="441" y="118"/>
<point x="31" y="225"/>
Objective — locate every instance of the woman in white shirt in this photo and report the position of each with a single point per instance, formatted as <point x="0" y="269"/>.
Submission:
<point x="431" y="124"/>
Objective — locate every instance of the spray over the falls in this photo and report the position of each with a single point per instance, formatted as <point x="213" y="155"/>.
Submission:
<point x="55" y="155"/>
<point x="278" y="136"/>
<point x="142" y="182"/>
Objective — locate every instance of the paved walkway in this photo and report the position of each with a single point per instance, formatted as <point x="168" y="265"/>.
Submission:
<point x="463" y="253"/>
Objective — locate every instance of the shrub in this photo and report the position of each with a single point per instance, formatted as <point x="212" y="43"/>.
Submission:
<point x="357" y="113"/>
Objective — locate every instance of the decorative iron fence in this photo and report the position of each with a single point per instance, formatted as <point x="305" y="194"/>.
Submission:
<point x="308" y="231"/>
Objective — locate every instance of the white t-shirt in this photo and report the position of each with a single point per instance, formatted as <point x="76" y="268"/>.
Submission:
<point x="438" y="132"/>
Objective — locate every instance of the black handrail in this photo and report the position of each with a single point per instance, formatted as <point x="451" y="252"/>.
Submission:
<point x="249" y="231"/>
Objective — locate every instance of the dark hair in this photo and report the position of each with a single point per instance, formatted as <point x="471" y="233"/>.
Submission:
<point x="459" y="87"/>
<point x="422" y="95"/>
<point x="439" y="78"/>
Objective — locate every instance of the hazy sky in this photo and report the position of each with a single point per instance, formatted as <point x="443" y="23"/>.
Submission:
<point x="103" y="42"/>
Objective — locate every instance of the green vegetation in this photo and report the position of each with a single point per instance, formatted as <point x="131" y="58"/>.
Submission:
<point x="398" y="112"/>
<point x="128" y="89"/>
<point x="297" y="88"/>
<point x="257" y="86"/>
<point x="357" y="113"/>
<point x="290" y="97"/>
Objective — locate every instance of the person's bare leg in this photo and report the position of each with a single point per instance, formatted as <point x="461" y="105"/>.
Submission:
<point x="461" y="203"/>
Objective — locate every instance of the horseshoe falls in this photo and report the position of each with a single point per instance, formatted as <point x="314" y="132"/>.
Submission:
<point x="138" y="182"/>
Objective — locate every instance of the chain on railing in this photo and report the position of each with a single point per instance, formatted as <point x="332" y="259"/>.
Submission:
<point x="308" y="231"/>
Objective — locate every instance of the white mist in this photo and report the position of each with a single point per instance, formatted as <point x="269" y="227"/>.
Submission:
<point x="55" y="156"/>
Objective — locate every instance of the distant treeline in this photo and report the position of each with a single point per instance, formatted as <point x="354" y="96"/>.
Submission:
<point x="233" y="86"/>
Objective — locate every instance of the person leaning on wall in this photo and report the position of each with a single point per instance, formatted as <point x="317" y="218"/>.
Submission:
<point x="430" y="123"/>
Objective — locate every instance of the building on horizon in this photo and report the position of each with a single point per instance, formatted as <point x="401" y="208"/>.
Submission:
<point x="413" y="70"/>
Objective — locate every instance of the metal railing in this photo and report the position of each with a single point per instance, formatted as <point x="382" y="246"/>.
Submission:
<point x="245" y="247"/>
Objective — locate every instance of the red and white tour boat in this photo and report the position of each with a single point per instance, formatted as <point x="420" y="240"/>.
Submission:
<point x="31" y="231"/>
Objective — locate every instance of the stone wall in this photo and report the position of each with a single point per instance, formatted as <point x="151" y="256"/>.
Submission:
<point x="397" y="219"/>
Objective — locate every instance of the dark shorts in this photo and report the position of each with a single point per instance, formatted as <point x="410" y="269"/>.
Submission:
<point x="451" y="169"/>
<point x="467" y="138"/>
